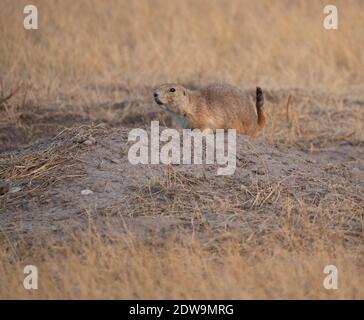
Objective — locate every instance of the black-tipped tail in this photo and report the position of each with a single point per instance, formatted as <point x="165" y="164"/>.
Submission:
<point x="259" y="104"/>
<point x="260" y="98"/>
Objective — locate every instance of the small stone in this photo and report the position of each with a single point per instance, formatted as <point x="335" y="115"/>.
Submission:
<point x="90" y="141"/>
<point x="4" y="187"/>
<point x="86" y="192"/>
<point x="15" y="189"/>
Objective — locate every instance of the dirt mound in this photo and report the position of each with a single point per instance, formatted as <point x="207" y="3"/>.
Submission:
<point x="274" y="187"/>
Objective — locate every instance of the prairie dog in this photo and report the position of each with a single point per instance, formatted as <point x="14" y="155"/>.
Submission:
<point x="216" y="106"/>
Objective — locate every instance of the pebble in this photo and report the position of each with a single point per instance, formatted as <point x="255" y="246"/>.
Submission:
<point x="15" y="189"/>
<point x="90" y="141"/>
<point x="86" y="192"/>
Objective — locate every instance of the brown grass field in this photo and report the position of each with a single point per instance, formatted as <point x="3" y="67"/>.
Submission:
<point x="294" y="205"/>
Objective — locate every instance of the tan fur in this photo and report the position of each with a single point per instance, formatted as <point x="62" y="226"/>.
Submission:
<point x="216" y="106"/>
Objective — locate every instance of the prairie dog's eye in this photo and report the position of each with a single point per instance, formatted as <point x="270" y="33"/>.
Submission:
<point x="172" y="90"/>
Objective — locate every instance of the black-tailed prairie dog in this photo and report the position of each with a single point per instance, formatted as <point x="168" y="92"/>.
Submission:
<point x="215" y="106"/>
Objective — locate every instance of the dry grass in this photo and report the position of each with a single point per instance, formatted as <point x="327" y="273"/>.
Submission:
<point x="146" y="42"/>
<point x="96" y="61"/>
<point x="88" y="266"/>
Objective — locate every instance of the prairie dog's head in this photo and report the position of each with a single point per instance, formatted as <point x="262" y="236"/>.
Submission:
<point x="172" y="97"/>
